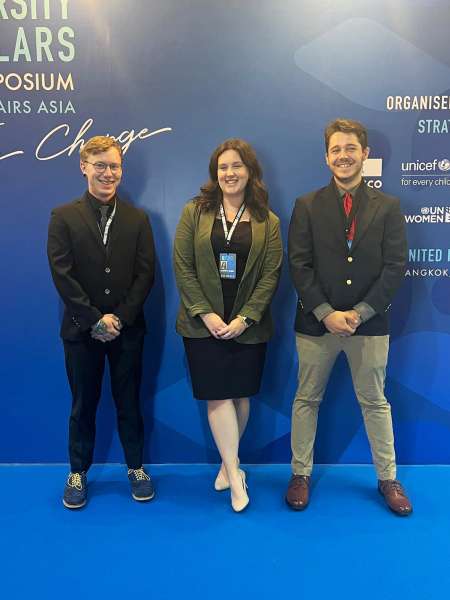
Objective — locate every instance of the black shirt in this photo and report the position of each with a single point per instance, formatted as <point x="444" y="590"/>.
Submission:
<point x="240" y="244"/>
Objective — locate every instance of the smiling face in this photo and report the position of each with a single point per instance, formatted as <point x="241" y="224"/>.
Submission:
<point x="232" y="174"/>
<point x="103" y="185"/>
<point x="345" y="158"/>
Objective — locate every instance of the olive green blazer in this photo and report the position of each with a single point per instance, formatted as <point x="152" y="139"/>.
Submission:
<point x="199" y="282"/>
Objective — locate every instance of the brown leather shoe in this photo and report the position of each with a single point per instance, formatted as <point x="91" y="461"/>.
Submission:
<point x="297" y="495"/>
<point x="395" y="496"/>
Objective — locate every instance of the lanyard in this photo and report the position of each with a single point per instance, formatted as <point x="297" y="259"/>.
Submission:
<point x="108" y="225"/>
<point x="228" y="234"/>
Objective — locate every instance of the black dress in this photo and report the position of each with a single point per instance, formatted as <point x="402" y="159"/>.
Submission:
<point x="222" y="369"/>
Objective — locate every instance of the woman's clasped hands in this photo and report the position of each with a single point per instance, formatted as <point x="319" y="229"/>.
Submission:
<point x="220" y="330"/>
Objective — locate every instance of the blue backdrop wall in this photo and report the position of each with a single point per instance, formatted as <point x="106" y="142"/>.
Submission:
<point x="173" y="79"/>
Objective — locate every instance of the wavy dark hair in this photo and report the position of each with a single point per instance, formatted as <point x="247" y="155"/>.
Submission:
<point x="256" y="196"/>
<point x="346" y="126"/>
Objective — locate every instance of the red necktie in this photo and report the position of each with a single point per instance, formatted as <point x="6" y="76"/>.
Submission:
<point x="348" y="201"/>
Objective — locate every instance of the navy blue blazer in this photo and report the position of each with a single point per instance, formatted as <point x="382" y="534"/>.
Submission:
<point x="324" y="269"/>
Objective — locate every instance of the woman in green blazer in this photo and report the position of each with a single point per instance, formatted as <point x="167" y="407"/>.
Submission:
<point x="227" y="259"/>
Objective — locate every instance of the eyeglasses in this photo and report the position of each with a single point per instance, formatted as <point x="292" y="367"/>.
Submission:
<point x="101" y="167"/>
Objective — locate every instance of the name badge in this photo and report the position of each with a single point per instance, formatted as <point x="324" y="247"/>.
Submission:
<point x="227" y="265"/>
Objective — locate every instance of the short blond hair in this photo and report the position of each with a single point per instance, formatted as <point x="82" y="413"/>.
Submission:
<point x="98" y="144"/>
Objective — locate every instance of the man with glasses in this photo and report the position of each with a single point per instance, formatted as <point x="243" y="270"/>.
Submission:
<point x="101" y="257"/>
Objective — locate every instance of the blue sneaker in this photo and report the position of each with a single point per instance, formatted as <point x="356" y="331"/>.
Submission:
<point x="142" y="488"/>
<point x="75" y="492"/>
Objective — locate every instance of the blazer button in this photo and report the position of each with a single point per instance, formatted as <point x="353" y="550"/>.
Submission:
<point x="107" y="270"/>
<point x="350" y="258"/>
<point x="107" y="291"/>
<point x="349" y="282"/>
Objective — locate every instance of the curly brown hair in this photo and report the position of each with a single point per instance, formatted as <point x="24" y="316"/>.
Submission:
<point x="256" y="196"/>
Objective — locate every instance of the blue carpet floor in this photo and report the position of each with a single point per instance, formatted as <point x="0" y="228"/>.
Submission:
<point x="187" y="543"/>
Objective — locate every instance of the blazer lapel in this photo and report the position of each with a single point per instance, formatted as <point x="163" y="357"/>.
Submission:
<point x="205" y="225"/>
<point x="258" y="239"/>
<point x="89" y="218"/>
<point x="117" y="225"/>
<point x="330" y="215"/>
<point x="368" y="207"/>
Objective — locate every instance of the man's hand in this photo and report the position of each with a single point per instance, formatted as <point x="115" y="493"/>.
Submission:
<point x="352" y="317"/>
<point x="214" y="323"/>
<point x="232" y="330"/>
<point x="113" y="323"/>
<point x="336" y="323"/>
<point x="111" y="329"/>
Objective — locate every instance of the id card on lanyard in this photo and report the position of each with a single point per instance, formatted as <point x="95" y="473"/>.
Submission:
<point x="227" y="260"/>
<point x="227" y="265"/>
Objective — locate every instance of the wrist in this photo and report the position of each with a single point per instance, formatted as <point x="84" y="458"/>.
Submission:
<point x="322" y="311"/>
<point x="246" y="321"/>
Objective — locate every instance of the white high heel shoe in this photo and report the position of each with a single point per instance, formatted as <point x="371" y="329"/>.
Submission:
<point x="221" y="483"/>
<point x="242" y="503"/>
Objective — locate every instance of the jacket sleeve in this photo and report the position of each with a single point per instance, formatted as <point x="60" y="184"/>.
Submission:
<point x="189" y="287"/>
<point x="301" y="263"/>
<point x="144" y="275"/>
<point x="382" y="292"/>
<point x="267" y="283"/>
<point x="59" y="252"/>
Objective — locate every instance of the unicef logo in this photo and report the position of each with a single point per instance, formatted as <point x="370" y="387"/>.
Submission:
<point x="444" y="164"/>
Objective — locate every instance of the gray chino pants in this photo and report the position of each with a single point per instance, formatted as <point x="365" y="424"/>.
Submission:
<point x="367" y="358"/>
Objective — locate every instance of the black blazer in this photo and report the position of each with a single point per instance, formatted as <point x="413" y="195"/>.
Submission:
<point x="93" y="280"/>
<point x="324" y="269"/>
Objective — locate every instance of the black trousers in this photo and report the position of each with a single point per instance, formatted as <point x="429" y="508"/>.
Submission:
<point x="85" y="364"/>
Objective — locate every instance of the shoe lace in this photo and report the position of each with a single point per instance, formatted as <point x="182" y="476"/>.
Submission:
<point x="395" y="486"/>
<point x="140" y="474"/>
<point x="75" y="481"/>
<point x="300" y="481"/>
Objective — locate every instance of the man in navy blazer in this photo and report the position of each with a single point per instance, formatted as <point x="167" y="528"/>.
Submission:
<point x="101" y="256"/>
<point x="347" y="255"/>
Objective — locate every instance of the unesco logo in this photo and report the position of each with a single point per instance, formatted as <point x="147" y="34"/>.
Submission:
<point x="373" y="167"/>
<point x="444" y="164"/>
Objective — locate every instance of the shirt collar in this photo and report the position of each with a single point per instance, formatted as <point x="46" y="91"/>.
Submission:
<point x="96" y="204"/>
<point x="352" y="191"/>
